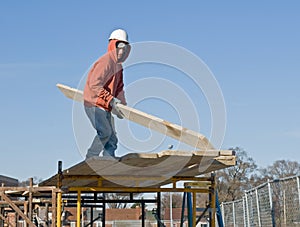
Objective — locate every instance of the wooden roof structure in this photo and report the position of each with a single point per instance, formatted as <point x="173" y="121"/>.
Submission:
<point x="143" y="169"/>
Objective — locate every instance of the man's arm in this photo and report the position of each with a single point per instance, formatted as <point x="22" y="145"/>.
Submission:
<point x="120" y="90"/>
<point x="98" y="77"/>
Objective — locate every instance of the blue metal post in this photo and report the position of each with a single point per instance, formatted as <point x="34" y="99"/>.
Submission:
<point x="190" y="209"/>
<point x="218" y="212"/>
<point x="183" y="209"/>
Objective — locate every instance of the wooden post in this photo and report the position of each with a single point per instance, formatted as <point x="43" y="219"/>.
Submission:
<point x="16" y="218"/>
<point x="53" y="208"/>
<point x="47" y="211"/>
<point x="1" y="221"/>
<point x="30" y="198"/>
<point x="25" y="211"/>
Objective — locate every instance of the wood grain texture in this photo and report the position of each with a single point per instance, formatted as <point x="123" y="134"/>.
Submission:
<point x="174" y="131"/>
<point x="144" y="169"/>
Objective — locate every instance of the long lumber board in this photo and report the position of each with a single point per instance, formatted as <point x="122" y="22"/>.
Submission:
<point x="177" y="132"/>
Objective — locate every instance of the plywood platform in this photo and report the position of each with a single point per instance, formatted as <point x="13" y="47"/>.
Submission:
<point x="143" y="169"/>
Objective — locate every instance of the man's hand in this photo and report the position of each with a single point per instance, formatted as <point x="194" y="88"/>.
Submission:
<point x="115" y="110"/>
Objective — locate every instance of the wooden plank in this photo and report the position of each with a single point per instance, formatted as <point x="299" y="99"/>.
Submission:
<point x="53" y="208"/>
<point x="177" y="132"/>
<point x="21" y="190"/>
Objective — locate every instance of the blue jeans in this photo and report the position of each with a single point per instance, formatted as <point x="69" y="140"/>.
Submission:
<point x="106" y="139"/>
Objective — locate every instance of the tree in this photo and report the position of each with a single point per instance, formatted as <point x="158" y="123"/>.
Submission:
<point x="135" y="205"/>
<point x="117" y="197"/>
<point x="176" y="200"/>
<point x="25" y="183"/>
<point x="233" y="181"/>
<point x="281" y="169"/>
<point x="282" y="191"/>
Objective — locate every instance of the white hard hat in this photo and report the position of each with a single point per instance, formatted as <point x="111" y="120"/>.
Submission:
<point x="119" y="34"/>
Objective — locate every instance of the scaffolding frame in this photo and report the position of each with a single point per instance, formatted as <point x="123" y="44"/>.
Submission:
<point x="99" y="175"/>
<point x="21" y="201"/>
<point x="195" y="185"/>
<point x="58" y="194"/>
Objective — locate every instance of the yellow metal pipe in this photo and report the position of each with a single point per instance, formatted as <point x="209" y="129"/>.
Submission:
<point x="99" y="183"/>
<point x="78" y="208"/>
<point x="58" y="214"/>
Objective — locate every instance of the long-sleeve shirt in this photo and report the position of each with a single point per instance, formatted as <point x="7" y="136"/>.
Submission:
<point x="105" y="80"/>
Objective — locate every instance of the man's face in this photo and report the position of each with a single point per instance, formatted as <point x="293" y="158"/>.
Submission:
<point x="122" y="49"/>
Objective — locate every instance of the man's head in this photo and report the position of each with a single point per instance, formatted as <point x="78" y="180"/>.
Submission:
<point x="122" y="45"/>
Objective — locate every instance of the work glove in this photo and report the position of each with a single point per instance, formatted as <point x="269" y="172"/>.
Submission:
<point x="115" y="110"/>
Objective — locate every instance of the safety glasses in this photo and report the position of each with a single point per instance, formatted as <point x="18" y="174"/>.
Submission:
<point x="122" y="45"/>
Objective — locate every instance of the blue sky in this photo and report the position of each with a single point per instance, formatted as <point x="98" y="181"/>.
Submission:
<point x="252" y="48"/>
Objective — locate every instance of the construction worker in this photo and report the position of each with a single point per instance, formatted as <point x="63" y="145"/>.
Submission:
<point x="103" y="91"/>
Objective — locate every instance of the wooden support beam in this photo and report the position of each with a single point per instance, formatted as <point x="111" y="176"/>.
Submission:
<point x="8" y="190"/>
<point x="30" y="198"/>
<point x="177" y="132"/>
<point x="25" y="212"/>
<point x="17" y="209"/>
<point x="53" y="208"/>
<point x="47" y="212"/>
<point x="15" y="202"/>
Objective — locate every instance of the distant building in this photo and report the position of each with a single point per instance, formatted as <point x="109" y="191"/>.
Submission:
<point x="8" y="181"/>
<point x="124" y="214"/>
<point x="176" y="216"/>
